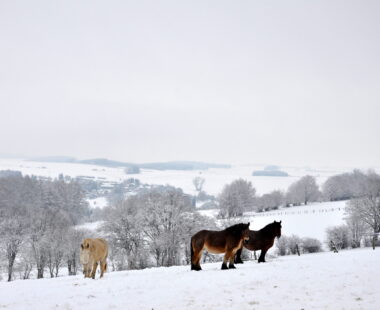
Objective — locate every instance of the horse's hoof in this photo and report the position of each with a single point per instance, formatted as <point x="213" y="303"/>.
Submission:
<point x="232" y="267"/>
<point x="224" y="266"/>
<point x="239" y="261"/>
<point x="196" y="268"/>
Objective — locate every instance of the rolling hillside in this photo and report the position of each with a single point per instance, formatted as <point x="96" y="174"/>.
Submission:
<point x="344" y="280"/>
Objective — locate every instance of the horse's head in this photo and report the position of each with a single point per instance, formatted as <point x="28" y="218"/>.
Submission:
<point x="85" y="249"/>
<point x="245" y="232"/>
<point x="277" y="229"/>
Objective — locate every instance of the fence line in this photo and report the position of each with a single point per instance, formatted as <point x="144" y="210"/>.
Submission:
<point x="278" y="213"/>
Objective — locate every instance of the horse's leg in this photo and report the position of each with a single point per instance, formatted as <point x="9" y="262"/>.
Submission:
<point x="226" y="258"/>
<point x="103" y="267"/>
<point x="232" y="259"/>
<point x="196" y="248"/>
<point x="94" y="267"/>
<point x="86" y="270"/>
<point x="238" y="259"/>
<point x="262" y="255"/>
<point x="197" y="264"/>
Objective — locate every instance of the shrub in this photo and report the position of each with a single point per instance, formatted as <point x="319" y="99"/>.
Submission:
<point x="311" y="245"/>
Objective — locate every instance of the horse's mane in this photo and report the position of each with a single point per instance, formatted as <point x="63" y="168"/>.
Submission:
<point x="237" y="228"/>
<point x="269" y="228"/>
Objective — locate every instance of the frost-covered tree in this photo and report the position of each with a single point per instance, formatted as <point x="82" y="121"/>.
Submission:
<point x="303" y="191"/>
<point x="236" y="198"/>
<point x="270" y="201"/>
<point x="151" y="227"/>
<point x="32" y="211"/>
<point x="345" y="186"/>
<point x="198" y="183"/>
<point x="338" y="236"/>
<point x="366" y="209"/>
<point x="73" y="239"/>
<point x="12" y="231"/>
<point x="311" y="245"/>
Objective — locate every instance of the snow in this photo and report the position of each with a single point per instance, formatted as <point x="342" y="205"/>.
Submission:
<point x="215" y="178"/>
<point x="311" y="220"/>
<point x="344" y="280"/>
<point x="92" y="226"/>
<point x="99" y="202"/>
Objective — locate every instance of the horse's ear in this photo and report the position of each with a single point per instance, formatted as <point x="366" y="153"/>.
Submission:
<point x="274" y="222"/>
<point x="88" y="245"/>
<point x="81" y="245"/>
<point x="280" y="221"/>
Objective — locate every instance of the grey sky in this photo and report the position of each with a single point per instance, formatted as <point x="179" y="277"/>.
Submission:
<point x="283" y="82"/>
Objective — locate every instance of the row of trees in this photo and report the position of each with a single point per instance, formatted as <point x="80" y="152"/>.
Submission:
<point x="240" y="196"/>
<point x="36" y="224"/>
<point x="291" y="245"/>
<point x="362" y="214"/>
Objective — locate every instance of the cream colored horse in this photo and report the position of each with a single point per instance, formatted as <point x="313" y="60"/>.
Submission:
<point x="92" y="253"/>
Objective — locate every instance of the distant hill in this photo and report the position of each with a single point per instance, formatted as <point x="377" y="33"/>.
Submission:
<point x="55" y="159"/>
<point x="274" y="173"/>
<point x="270" y="171"/>
<point x="172" y="165"/>
<point x="182" y="165"/>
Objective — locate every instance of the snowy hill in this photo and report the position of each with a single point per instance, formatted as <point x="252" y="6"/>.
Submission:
<point x="344" y="280"/>
<point x="305" y="221"/>
<point x="215" y="178"/>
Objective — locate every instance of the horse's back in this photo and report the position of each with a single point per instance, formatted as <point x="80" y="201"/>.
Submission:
<point x="101" y="248"/>
<point x="258" y="240"/>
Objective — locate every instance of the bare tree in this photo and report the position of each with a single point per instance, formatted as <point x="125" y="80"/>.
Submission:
<point x="270" y="201"/>
<point x="198" y="183"/>
<point x="338" y="237"/>
<point x="236" y="198"/>
<point x="303" y="191"/>
<point x="13" y="232"/>
<point x="367" y="208"/>
<point x="345" y="186"/>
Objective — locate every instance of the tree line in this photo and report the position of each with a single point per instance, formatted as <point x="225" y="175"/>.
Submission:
<point x="36" y="224"/>
<point x="362" y="190"/>
<point x="152" y="227"/>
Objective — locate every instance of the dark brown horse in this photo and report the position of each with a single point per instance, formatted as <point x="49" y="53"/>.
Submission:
<point x="226" y="241"/>
<point x="262" y="239"/>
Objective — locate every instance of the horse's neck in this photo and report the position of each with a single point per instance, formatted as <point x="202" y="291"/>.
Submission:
<point x="267" y="232"/>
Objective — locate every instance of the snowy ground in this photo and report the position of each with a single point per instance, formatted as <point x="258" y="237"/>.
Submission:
<point x="346" y="280"/>
<point x="215" y="178"/>
<point x="305" y="221"/>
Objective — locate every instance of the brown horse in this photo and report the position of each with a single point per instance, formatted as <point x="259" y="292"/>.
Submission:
<point x="262" y="239"/>
<point x="226" y="241"/>
<point x="92" y="252"/>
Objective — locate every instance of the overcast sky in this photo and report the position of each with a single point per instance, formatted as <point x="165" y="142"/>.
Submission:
<point x="280" y="82"/>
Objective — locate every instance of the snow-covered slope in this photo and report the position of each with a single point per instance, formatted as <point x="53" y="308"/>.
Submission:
<point x="215" y="178"/>
<point x="305" y="221"/>
<point x="346" y="280"/>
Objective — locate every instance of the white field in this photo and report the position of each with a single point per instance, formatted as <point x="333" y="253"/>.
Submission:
<point x="215" y="178"/>
<point x="304" y="221"/>
<point x="344" y="280"/>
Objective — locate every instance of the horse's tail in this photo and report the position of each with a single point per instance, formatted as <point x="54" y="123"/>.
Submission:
<point x="191" y="251"/>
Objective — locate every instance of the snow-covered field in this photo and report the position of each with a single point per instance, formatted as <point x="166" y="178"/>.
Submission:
<point x="215" y="178"/>
<point x="344" y="280"/>
<point x="305" y="221"/>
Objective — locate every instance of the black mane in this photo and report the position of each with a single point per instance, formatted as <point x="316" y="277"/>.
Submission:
<point x="270" y="228"/>
<point x="237" y="228"/>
